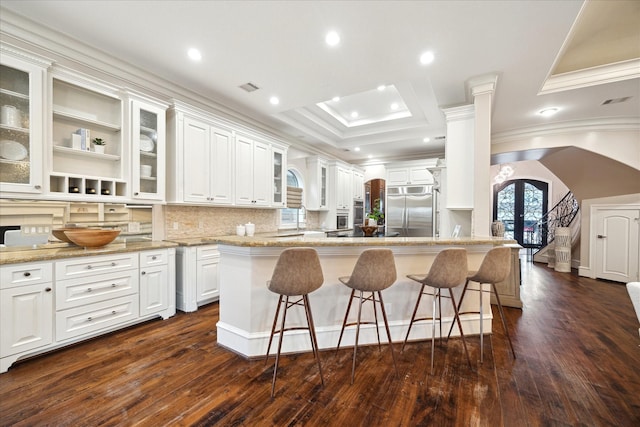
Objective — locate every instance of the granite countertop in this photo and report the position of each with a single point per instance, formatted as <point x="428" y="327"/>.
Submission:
<point x="53" y="251"/>
<point x="298" y="241"/>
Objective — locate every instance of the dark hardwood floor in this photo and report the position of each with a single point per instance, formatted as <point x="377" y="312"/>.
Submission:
<point x="578" y="365"/>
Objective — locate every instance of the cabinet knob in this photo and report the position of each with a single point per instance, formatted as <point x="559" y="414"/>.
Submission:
<point x="143" y="272"/>
<point x="136" y="193"/>
<point x="89" y="319"/>
<point x="26" y="274"/>
<point x="89" y="267"/>
<point x="113" y="285"/>
<point x="113" y="264"/>
<point x="154" y="257"/>
<point x="47" y="289"/>
<point x="113" y="312"/>
<point x="37" y="187"/>
<point x="89" y="289"/>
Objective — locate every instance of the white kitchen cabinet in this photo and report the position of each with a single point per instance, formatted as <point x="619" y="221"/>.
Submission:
<point x="279" y="173"/>
<point x="253" y="173"/>
<point x="344" y="189"/>
<point x="317" y="184"/>
<point x="22" y="85"/>
<point x="358" y="185"/>
<point x="412" y="175"/>
<point x="47" y="305"/>
<point x="155" y="294"/>
<point x="148" y="148"/>
<point x="196" y="276"/>
<point x="200" y="162"/>
<point x="26" y="309"/>
<point x="79" y="171"/>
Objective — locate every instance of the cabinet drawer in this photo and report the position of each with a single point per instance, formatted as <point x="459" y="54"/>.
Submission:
<point x="81" y="291"/>
<point x="25" y="274"/>
<point x="151" y="258"/>
<point x="206" y="252"/>
<point x="89" y="266"/>
<point x="78" y="321"/>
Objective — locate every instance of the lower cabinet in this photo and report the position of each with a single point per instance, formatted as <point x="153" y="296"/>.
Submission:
<point x="48" y="305"/>
<point x="197" y="276"/>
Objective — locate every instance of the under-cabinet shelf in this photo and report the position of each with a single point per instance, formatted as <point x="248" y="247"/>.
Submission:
<point x="15" y="129"/>
<point x="88" y="120"/>
<point x="14" y="94"/>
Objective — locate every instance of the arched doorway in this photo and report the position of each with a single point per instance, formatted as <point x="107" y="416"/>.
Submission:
<point x="520" y="204"/>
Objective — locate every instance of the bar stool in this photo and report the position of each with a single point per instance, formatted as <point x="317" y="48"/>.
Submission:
<point x="297" y="273"/>
<point x="374" y="271"/>
<point x="449" y="270"/>
<point x="495" y="268"/>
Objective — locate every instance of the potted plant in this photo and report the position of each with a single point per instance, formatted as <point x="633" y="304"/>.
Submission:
<point x="98" y="145"/>
<point x="376" y="213"/>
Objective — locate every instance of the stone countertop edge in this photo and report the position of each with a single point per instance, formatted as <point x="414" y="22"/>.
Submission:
<point x="261" y="241"/>
<point x="45" y="254"/>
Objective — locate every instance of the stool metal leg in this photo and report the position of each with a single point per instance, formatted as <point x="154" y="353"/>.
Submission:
<point x="413" y="317"/>
<point x="346" y="316"/>
<point x="355" y="347"/>
<point x="312" y="334"/>
<point x="386" y="325"/>
<point x="273" y="328"/>
<point x="275" y="369"/>
<point x="504" y="321"/>
<point x="455" y="309"/>
<point x="433" y="326"/>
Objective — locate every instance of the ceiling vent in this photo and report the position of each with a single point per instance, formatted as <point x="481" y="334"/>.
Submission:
<point x="616" y="100"/>
<point x="249" y="87"/>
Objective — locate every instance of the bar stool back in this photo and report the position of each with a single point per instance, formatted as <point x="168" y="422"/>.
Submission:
<point x="495" y="268"/>
<point x="374" y="271"/>
<point x="296" y="274"/>
<point x="449" y="270"/>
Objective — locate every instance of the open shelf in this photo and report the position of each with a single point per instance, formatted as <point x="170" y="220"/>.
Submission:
<point x="81" y="153"/>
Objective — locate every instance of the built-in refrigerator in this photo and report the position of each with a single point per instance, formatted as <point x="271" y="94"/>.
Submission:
<point x="409" y="211"/>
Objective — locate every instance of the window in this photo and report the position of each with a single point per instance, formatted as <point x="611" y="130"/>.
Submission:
<point x="293" y="217"/>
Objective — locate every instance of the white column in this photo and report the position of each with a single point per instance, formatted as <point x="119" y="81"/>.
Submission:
<point x="482" y="92"/>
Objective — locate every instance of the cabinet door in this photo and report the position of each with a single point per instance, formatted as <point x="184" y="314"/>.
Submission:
<point x="345" y="194"/>
<point x="221" y="167"/>
<point x="358" y="186"/>
<point x="26" y="318"/>
<point x="21" y="125"/>
<point x="262" y="179"/>
<point x="207" y="279"/>
<point x="397" y="176"/>
<point x="196" y="144"/>
<point x="420" y="175"/>
<point x="279" y="177"/>
<point x="323" y="185"/>
<point x="148" y="136"/>
<point x="244" y="171"/>
<point x="154" y="292"/>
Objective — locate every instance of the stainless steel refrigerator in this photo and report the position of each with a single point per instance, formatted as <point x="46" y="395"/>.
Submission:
<point x="409" y="211"/>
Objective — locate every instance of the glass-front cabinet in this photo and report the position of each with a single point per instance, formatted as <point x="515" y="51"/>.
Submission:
<point x="148" y="150"/>
<point x="21" y="123"/>
<point x="279" y="171"/>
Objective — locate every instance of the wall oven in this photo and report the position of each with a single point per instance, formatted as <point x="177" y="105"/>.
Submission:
<point x="342" y="221"/>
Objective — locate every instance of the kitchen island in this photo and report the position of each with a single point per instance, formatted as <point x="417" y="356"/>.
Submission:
<point x="247" y="307"/>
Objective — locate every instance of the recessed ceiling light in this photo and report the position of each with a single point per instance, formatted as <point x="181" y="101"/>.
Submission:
<point x="381" y="88"/>
<point x="332" y="38"/>
<point x="356" y="149"/>
<point x="274" y="100"/>
<point x="394" y="106"/>
<point x="194" y="54"/>
<point x="335" y="99"/>
<point x="426" y="140"/>
<point x="548" y="111"/>
<point x="354" y="114"/>
<point x="427" y="58"/>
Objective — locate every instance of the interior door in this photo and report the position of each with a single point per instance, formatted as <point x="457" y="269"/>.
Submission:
<point x="616" y="240"/>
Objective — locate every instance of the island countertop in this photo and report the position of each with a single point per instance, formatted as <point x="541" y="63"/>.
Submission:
<point x="270" y="240"/>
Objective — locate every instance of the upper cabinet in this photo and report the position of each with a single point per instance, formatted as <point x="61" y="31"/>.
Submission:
<point x="253" y="172"/>
<point x="410" y="175"/>
<point x="358" y="185"/>
<point x="88" y="148"/>
<point x="279" y="167"/>
<point x="22" y="81"/>
<point x="148" y="148"/>
<point x="200" y="160"/>
<point x="317" y="184"/>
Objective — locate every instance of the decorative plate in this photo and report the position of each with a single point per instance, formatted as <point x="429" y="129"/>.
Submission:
<point x="146" y="143"/>
<point x="12" y="150"/>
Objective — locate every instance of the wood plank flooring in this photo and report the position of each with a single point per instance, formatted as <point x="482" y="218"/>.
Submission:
<point x="578" y="364"/>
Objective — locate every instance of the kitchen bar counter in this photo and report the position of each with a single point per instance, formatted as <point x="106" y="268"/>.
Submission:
<point x="247" y="306"/>
<point x="54" y="251"/>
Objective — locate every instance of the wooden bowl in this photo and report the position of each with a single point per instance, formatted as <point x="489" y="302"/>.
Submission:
<point x="58" y="233"/>
<point x="91" y="237"/>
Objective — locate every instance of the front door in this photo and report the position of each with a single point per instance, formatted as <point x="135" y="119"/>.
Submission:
<point x="520" y="204"/>
<point x="616" y="237"/>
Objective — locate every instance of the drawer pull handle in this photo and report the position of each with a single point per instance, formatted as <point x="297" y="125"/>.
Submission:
<point x="89" y="267"/>
<point x="154" y="257"/>
<point x="89" y="319"/>
<point x="47" y="289"/>
<point x="88" y="289"/>
<point x="26" y="274"/>
<point x="113" y="264"/>
<point x="113" y="312"/>
<point x="113" y="285"/>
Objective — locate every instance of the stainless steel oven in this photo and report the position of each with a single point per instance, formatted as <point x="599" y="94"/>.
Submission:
<point x="342" y="221"/>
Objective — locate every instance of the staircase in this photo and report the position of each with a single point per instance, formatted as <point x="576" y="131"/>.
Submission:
<point x="566" y="213"/>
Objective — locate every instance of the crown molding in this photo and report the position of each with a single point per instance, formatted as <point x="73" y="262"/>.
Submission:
<point x="593" y="76"/>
